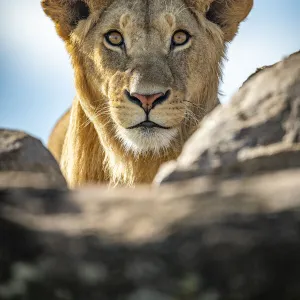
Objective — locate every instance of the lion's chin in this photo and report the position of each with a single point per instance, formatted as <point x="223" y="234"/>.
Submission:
<point x="147" y="140"/>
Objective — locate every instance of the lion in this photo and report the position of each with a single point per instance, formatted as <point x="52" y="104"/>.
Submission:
<point x="146" y="73"/>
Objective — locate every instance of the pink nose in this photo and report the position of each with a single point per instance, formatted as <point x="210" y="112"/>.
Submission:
<point x="147" y="100"/>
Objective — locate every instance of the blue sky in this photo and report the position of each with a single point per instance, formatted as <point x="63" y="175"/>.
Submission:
<point x="36" y="79"/>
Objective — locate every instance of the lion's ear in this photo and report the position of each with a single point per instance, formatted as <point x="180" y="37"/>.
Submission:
<point x="66" y="14"/>
<point x="228" y="14"/>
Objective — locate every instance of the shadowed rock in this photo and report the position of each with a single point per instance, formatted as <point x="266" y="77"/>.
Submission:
<point x="204" y="239"/>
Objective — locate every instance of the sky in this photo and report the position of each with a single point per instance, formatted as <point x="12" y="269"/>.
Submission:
<point x="36" y="78"/>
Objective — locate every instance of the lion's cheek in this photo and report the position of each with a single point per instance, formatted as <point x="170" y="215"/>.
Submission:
<point x="116" y="86"/>
<point x="169" y="116"/>
<point x="127" y="116"/>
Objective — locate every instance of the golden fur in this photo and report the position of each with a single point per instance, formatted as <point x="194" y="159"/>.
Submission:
<point x="93" y="141"/>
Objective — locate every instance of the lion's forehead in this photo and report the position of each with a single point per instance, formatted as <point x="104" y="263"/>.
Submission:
<point x="147" y="14"/>
<point x="147" y="7"/>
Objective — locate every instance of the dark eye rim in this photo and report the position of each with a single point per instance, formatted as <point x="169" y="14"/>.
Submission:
<point x="185" y="42"/>
<point x="106" y="36"/>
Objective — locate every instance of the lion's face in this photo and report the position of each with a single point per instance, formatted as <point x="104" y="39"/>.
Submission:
<point x="153" y="64"/>
<point x="148" y="58"/>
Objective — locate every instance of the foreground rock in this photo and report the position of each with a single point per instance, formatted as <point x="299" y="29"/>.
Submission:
<point x="258" y="131"/>
<point x="229" y="236"/>
<point x="25" y="162"/>
<point x="204" y="239"/>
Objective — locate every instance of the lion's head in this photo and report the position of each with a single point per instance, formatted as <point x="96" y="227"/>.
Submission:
<point x="147" y="71"/>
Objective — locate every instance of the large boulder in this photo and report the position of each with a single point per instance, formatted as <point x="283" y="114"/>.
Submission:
<point x="24" y="162"/>
<point x="258" y="131"/>
<point x="200" y="240"/>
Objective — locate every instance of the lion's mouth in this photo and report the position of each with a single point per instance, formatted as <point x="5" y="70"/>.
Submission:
<point x="148" y="124"/>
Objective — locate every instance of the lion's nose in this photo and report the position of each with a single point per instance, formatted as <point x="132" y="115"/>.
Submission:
<point x="148" y="102"/>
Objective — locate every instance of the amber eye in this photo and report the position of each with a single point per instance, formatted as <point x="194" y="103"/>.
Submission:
<point x="114" y="38"/>
<point x="180" y="38"/>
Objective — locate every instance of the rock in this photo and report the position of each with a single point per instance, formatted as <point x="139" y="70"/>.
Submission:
<point x="201" y="239"/>
<point x="258" y="131"/>
<point x="230" y="232"/>
<point x="25" y="162"/>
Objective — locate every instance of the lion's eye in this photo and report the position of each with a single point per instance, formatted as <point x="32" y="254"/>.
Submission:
<point x="180" y="38"/>
<point x="114" y="38"/>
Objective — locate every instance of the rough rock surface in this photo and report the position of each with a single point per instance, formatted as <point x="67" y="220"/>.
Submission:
<point x="222" y="235"/>
<point x="25" y="162"/>
<point x="204" y="239"/>
<point x="258" y="131"/>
